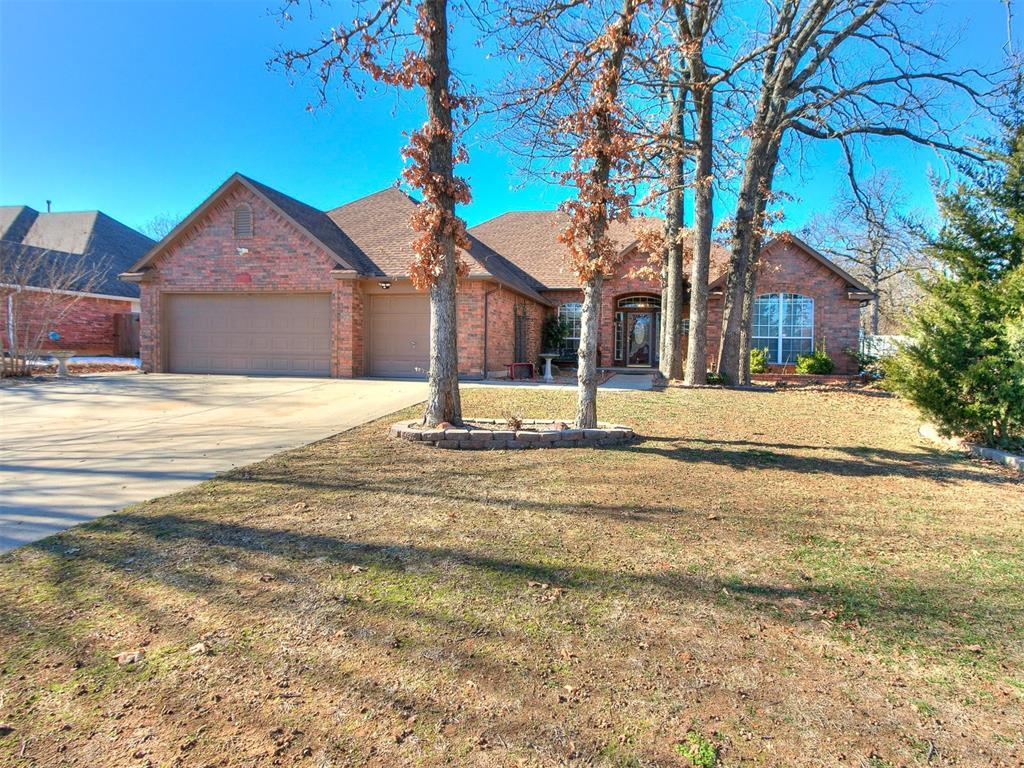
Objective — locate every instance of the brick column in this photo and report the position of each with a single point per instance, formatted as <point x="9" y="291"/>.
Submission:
<point x="347" y="329"/>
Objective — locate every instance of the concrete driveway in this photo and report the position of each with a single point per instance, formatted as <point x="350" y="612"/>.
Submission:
<point x="76" y="449"/>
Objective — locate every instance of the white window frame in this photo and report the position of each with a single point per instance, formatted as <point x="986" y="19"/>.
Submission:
<point x="571" y="314"/>
<point x="778" y="331"/>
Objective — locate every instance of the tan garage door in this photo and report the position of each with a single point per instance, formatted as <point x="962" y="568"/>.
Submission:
<point x="399" y="335"/>
<point x="245" y="333"/>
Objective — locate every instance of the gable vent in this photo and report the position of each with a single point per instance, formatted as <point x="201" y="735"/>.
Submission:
<point x="243" y="220"/>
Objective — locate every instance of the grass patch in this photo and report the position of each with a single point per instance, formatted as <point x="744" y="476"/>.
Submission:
<point x="795" y="571"/>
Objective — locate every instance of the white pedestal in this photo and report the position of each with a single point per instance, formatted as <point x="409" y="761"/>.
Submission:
<point x="62" y="362"/>
<point x="548" y="378"/>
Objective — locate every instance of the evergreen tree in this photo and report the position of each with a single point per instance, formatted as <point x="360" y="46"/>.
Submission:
<point x="965" y="368"/>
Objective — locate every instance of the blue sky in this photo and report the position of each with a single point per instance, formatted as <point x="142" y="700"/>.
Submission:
<point x="144" y="107"/>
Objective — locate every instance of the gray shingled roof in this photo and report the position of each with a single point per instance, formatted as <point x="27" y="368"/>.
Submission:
<point x="110" y="246"/>
<point x="15" y="221"/>
<point x="95" y="275"/>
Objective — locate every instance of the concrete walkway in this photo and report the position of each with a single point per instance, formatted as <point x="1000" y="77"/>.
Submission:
<point x="638" y="381"/>
<point x="75" y="449"/>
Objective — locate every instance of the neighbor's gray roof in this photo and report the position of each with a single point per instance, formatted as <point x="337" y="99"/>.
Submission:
<point x="110" y="246"/>
<point x="15" y="221"/>
<point x="95" y="276"/>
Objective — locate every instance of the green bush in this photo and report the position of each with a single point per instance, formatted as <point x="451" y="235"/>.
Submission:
<point x="872" y="365"/>
<point x="965" y="368"/>
<point x="817" y="363"/>
<point x="758" y="360"/>
<point x="553" y="334"/>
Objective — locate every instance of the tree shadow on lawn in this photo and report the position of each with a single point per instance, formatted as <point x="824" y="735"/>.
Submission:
<point x="857" y="460"/>
<point x="923" y="612"/>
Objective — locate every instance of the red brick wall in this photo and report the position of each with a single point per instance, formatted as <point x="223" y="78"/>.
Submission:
<point x="625" y="281"/>
<point x="279" y="258"/>
<point x="502" y="307"/>
<point x="785" y="268"/>
<point x="85" y="324"/>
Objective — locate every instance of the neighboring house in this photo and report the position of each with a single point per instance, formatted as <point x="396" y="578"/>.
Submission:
<point x="99" y="316"/>
<point x="255" y="281"/>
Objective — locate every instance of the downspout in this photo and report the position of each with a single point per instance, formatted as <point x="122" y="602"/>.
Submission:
<point x="10" y="320"/>
<point x="487" y="305"/>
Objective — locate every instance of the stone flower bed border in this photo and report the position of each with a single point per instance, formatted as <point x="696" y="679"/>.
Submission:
<point x="1007" y="459"/>
<point x="534" y="433"/>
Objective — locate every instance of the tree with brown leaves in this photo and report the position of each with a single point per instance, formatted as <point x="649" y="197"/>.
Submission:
<point x="571" y="101"/>
<point x="404" y="44"/>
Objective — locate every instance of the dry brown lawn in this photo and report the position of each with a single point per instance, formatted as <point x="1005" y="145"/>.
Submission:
<point x="786" y="578"/>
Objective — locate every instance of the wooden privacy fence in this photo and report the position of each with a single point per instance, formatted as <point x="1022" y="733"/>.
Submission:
<point x="126" y="334"/>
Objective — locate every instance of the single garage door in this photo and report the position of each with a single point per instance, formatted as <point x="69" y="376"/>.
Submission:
<point x="399" y="338"/>
<point x="246" y="333"/>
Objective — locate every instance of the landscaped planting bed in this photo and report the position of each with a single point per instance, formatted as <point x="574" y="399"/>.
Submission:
<point x="478" y="434"/>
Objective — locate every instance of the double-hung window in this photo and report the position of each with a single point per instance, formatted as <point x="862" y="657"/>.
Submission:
<point x="783" y="325"/>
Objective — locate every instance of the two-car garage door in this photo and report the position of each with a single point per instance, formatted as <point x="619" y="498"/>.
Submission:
<point x="290" y="334"/>
<point x="245" y="333"/>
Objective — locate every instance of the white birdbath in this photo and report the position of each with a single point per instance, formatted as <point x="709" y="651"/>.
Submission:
<point x="548" y="357"/>
<point x="62" y="356"/>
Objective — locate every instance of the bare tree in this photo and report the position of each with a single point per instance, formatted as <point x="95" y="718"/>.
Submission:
<point x="160" y="225"/>
<point x="697" y="60"/>
<point x="572" y="101"/>
<point x="38" y="289"/>
<point x="846" y="71"/>
<point x="877" y="240"/>
<point x="404" y="45"/>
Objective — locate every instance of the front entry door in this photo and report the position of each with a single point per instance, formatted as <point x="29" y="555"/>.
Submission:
<point x="639" y="338"/>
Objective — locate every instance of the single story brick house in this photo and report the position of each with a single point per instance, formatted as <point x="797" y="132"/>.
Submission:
<point x="99" y="319"/>
<point x="257" y="282"/>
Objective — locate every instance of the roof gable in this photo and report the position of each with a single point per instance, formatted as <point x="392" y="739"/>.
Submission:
<point x="855" y="285"/>
<point x="308" y="220"/>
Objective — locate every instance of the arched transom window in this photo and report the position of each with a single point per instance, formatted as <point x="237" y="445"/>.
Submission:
<point x="570" y="315"/>
<point x="783" y="325"/>
<point x="243" y="220"/>
<point x="640" y="302"/>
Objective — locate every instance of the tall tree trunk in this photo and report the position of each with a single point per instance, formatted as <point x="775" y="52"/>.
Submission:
<point x="443" y="402"/>
<point x="703" y="218"/>
<point x="599" y="181"/>
<point x="730" y="344"/>
<point x="876" y="303"/>
<point x="737" y="310"/>
<point x="590" y="317"/>
<point x="672" y="306"/>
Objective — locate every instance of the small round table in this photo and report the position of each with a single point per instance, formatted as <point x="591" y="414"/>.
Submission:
<point x="548" y="357"/>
